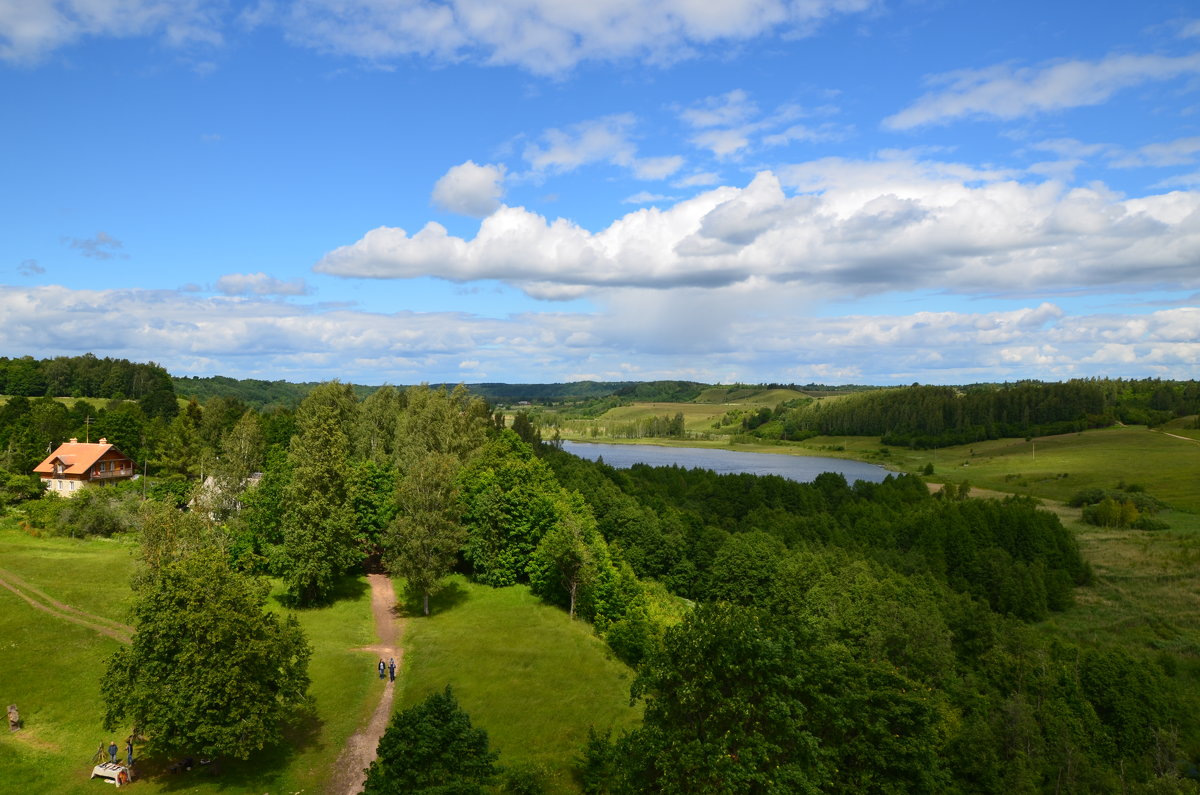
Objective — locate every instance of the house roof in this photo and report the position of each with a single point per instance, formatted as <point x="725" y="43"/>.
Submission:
<point x="77" y="457"/>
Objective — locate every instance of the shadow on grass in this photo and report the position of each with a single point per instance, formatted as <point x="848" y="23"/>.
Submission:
<point x="450" y="597"/>
<point x="350" y="586"/>
<point x="260" y="773"/>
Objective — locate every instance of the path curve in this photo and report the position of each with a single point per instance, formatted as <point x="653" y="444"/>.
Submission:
<point x="350" y="771"/>
<point x="1177" y="436"/>
<point x="40" y="601"/>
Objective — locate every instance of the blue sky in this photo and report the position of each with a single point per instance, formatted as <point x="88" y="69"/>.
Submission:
<point x="836" y="191"/>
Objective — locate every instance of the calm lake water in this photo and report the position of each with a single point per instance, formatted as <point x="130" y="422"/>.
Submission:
<point x="797" y="467"/>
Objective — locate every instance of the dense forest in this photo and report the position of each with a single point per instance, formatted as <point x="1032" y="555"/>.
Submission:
<point x="941" y="416"/>
<point x="786" y="637"/>
<point x="88" y="376"/>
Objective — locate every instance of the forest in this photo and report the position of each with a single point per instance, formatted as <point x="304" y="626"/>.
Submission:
<point x="784" y="637"/>
<point x="925" y="417"/>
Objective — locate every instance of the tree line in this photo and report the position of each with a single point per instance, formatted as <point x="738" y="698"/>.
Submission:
<point x="939" y="416"/>
<point x="88" y="376"/>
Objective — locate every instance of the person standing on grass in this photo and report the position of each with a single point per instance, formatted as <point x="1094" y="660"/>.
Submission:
<point x="392" y="668"/>
<point x="129" y="751"/>
<point x="112" y="752"/>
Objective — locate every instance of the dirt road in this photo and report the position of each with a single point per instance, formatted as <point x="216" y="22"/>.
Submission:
<point x="360" y="748"/>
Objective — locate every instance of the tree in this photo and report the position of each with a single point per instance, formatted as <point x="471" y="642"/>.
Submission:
<point x="375" y="436"/>
<point x="431" y="748"/>
<point x="423" y="541"/>
<point x="565" y="557"/>
<point x="318" y="532"/>
<point x="740" y="701"/>
<point x="508" y="499"/>
<point x="209" y="671"/>
<point x="437" y="421"/>
<point x="241" y="456"/>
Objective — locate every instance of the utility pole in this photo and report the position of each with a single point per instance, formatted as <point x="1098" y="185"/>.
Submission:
<point x="87" y="423"/>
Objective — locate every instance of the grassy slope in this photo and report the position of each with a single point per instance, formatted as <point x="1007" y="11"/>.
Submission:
<point x="524" y="672"/>
<point x="52" y="671"/>
<point x="534" y="679"/>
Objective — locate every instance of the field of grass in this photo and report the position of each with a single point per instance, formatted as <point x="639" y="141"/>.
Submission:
<point x="96" y="403"/>
<point x="1052" y="467"/>
<point x="747" y="396"/>
<point x="534" y="679"/>
<point x="1147" y="590"/>
<point x="52" y="671"/>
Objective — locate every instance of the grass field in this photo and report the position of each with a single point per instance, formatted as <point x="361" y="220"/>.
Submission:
<point x="52" y="671"/>
<point x="1166" y="466"/>
<point x="534" y="679"/>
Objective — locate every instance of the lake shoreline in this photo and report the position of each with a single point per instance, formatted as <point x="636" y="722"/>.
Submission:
<point x="723" y="460"/>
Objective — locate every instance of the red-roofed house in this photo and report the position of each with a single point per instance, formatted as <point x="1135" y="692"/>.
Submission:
<point x="75" y="463"/>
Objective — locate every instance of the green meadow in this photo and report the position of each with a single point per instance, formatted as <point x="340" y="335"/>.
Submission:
<point x="53" y="671"/>
<point x="534" y="679"/>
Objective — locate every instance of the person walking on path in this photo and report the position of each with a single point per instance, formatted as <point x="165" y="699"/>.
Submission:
<point x="112" y="752"/>
<point x="392" y="669"/>
<point x="381" y="667"/>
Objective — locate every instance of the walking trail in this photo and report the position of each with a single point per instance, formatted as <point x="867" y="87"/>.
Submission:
<point x="350" y="771"/>
<point x="41" y="601"/>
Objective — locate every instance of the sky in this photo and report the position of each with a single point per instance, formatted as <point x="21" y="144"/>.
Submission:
<point x="528" y="191"/>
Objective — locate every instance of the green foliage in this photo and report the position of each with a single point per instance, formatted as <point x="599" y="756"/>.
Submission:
<point x="440" y="421"/>
<point x="87" y="376"/>
<point x="569" y="558"/>
<point x="91" y="511"/>
<point x="209" y="672"/>
<point x="16" y="488"/>
<point x="738" y="701"/>
<point x="257" y="531"/>
<point x="422" y="543"/>
<point x="319" y="537"/>
<point x="508" y="497"/>
<point x="371" y="494"/>
<point x="432" y="748"/>
<point x="935" y="416"/>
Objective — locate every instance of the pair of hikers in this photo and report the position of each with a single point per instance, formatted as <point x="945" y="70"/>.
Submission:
<point x="390" y="668"/>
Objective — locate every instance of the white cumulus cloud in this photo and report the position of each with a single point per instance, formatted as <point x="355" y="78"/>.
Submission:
<point x="846" y="228"/>
<point x="470" y="189"/>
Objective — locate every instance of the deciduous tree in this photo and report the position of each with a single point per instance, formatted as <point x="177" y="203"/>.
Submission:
<point x="432" y="748"/>
<point x="209" y="671"/>
<point x="423" y="542"/>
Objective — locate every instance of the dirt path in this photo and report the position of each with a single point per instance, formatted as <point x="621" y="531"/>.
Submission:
<point x="1177" y="436"/>
<point x="40" y="601"/>
<point x="350" y="770"/>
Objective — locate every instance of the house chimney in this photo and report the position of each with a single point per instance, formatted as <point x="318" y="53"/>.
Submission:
<point x="103" y="440"/>
<point x="74" y="440"/>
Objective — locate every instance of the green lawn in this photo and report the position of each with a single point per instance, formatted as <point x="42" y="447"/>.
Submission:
<point x="534" y="679"/>
<point x="52" y="671"/>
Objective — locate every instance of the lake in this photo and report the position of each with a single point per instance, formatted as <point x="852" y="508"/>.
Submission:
<point x="803" y="468"/>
